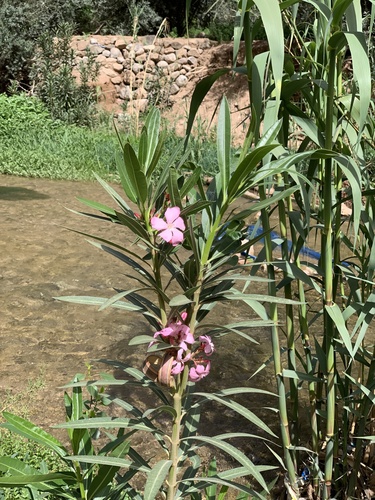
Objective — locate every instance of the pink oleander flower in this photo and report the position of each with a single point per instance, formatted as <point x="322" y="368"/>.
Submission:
<point x="171" y="229"/>
<point x="199" y="371"/>
<point x="179" y="362"/>
<point x="206" y="344"/>
<point x="177" y="334"/>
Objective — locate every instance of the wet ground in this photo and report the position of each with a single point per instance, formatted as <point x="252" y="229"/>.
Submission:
<point x="41" y="260"/>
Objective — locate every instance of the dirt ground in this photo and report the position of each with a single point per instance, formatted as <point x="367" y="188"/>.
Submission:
<point x="43" y="337"/>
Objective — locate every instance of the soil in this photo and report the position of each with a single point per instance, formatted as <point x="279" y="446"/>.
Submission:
<point x="41" y="336"/>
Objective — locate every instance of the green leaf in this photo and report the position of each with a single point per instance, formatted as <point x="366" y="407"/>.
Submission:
<point x="335" y="313"/>
<point x="108" y="423"/>
<point x="134" y="225"/>
<point x="135" y="175"/>
<point x="239" y="181"/>
<point x="156" y="478"/>
<point x="97" y="301"/>
<point x="200" y="92"/>
<point x="238" y="408"/>
<point x="273" y="25"/>
<point x="37" y="479"/>
<point x="108" y="461"/>
<point x="179" y="300"/>
<point x="105" y="473"/>
<point x="140" y="340"/>
<point x="114" y="195"/>
<point x="30" y="431"/>
<point x="223" y="148"/>
<point x="234" y="453"/>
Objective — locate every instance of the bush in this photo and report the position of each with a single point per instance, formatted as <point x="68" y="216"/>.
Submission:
<point x="67" y="98"/>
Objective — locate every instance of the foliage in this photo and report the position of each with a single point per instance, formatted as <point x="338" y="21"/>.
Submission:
<point x="68" y="476"/>
<point x="68" y="97"/>
<point x="310" y="90"/>
<point x="180" y="348"/>
<point x="35" y="145"/>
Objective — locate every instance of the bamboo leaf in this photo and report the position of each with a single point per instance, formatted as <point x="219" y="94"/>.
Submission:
<point x="223" y="148"/>
<point x="336" y="315"/>
<point x="200" y="92"/>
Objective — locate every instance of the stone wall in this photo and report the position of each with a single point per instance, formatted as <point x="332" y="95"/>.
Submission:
<point x="148" y="70"/>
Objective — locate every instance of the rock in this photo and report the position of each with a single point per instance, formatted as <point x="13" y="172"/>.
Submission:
<point x="81" y="45"/>
<point x="118" y="67"/>
<point x="137" y="68"/>
<point x="183" y="61"/>
<point x="174" y="66"/>
<point x="116" y="80"/>
<point x="96" y="49"/>
<point x="128" y="76"/>
<point x="93" y="41"/>
<point x="150" y="66"/>
<point x="140" y="94"/>
<point x="193" y="61"/>
<point x="103" y="79"/>
<point x="138" y="50"/>
<point x="154" y="56"/>
<point x="115" y="52"/>
<point x="175" y="75"/>
<point x="100" y="59"/>
<point x="125" y="93"/>
<point x="121" y="60"/>
<point x="110" y="72"/>
<point x="205" y="44"/>
<point x="139" y="105"/>
<point x="193" y="53"/>
<point x="169" y="50"/>
<point x="120" y="44"/>
<point x="181" y="53"/>
<point x="174" y="89"/>
<point x="149" y="48"/>
<point x="141" y="58"/>
<point x="106" y="53"/>
<point x="181" y="81"/>
<point x="162" y="64"/>
<point x="176" y="45"/>
<point x="169" y="58"/>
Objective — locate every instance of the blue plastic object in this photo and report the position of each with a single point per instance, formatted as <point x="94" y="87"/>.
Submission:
<point x="255" y="230"/>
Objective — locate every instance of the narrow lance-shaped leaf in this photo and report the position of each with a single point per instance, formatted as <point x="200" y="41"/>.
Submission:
<point x="223" y="148"/>
<point x="135" y="175"/>
<point x="156" y="478"/>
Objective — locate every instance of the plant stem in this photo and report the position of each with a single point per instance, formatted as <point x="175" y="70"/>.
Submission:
<point x="284" y="424"/>
<point x="327" y="254"/>
<point x="175" y="443"/>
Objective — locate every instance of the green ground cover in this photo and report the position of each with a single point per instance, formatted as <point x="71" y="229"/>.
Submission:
<point x="34" y="145"/>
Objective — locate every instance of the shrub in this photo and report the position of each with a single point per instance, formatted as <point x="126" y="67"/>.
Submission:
<point x="67" y="98"/>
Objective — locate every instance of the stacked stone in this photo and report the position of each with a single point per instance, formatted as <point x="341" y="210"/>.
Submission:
<point x="131" y="66"/>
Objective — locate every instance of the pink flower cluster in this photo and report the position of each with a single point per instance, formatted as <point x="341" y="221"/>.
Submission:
<point x="178" y="335"/>
<point x="171" y="229"/>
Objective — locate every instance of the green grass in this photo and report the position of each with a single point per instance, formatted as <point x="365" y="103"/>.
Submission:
<point x="12" y="445"/>
<point x="34" y="145"/>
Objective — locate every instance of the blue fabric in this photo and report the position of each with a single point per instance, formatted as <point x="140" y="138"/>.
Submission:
<point x="255" y="230"/>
